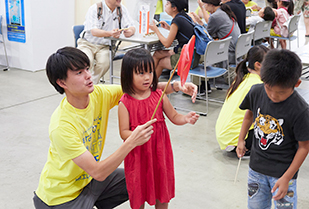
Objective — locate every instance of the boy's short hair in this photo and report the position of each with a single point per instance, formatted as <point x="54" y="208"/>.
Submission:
<point x="58" y="64"/>
<point x="269" y="14"/>
<point x="281" y="68"/>
<point x="138" y="61"/>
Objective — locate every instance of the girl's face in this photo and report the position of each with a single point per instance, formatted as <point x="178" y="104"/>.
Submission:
<point x="279" y="4"/>
<point x="142" y="81"/>
<point x="245" y="1"/>
<point x="168" y="8"/>
<point x="209" y="8"/>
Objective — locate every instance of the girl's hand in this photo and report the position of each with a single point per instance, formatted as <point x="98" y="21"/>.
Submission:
<point x="153" y="27"/>
<point x="191" y="117"/>
<point x="196" y="18"/>
<point x="200" y="3"/>
<point x="165" y="25"/>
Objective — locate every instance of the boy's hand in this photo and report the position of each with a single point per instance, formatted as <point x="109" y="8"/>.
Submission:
<point x="241" y="148"/>
<point x="191" y="117"/>
<point x="282" y="185"/>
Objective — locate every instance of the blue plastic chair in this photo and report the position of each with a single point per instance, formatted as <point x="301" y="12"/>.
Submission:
<point x="2" y="41"/>
<point x="78" y="29"/>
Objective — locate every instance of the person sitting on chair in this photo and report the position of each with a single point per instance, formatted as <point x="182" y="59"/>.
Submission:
<point x="103" y="19"/>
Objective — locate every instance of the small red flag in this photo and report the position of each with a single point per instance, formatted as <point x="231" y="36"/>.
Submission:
<point x="185" y="60"/>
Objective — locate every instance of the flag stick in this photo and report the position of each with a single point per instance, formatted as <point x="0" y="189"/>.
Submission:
<point x="169" y="80"/>
<point x="237" y="170"/>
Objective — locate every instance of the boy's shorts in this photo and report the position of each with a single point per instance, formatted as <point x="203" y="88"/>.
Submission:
<point x="260" y="196"/>
<point x="102" y="194"/>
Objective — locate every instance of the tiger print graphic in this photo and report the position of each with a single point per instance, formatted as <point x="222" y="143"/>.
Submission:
<point x="268" y="130"/>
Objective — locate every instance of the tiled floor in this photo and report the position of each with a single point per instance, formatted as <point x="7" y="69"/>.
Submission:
<point x="204" y="173"/>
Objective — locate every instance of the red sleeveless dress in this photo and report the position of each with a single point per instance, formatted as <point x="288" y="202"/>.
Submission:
<point x="149" y="168"/>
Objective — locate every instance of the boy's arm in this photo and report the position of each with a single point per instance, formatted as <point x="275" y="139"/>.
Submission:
<point x="175" y="117"/>
<point x="102" y="169"/>
<point x="246" y="124"/>
<point x="283" y="183"/>
<point x="124" y="121"/>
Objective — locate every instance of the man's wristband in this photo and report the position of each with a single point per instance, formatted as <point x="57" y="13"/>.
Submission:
<point x="172" y="85"/>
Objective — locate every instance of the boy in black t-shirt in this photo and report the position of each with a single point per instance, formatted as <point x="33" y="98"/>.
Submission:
<point x="281" y="133"/>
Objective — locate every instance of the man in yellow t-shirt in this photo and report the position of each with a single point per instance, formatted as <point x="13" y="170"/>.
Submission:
<point x="74" y="176"/>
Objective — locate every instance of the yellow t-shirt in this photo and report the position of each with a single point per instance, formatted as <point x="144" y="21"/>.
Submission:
<point x="230" y="119"/>
<point x="250" y="4"/>
<point x="72" y="131"/>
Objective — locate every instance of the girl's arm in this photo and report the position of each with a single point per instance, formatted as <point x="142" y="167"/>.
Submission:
<point x="175" y="117"/>
<point x="283" y="183"/>
<point x="124" y="122"/>
<point x="167" y="42"/>
<point x="205" y="13"/>
<point x="246" y="124"/>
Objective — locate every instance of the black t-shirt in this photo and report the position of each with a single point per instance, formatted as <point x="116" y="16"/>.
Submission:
<point x="239" y="10"/>
<point x="184" y="27"/>
<point x="277" y="129"/>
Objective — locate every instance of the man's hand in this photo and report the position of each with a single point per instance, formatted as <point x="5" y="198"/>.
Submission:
<point x="115" y="33"/>
<point x="141" y="133"/>
<point x="188" y="88"/>
<point x="129" y="32"/>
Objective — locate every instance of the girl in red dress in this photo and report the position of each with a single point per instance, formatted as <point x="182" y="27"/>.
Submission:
<point x="149" y="169"/>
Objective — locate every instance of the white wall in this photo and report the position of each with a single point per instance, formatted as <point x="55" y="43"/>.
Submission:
<point x="48" y="26"/>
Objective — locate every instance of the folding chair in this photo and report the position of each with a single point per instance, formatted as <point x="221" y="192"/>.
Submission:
<point x="216" y="52"/>
<point x="243" y="45"/>
<point x="3" y="41"/>
<point x="261" y="30"/>
<point x="77" y="29"/>
<point x="292" y="27"/>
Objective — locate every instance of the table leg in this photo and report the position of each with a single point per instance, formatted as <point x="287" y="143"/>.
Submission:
<point x="111" y="66"/>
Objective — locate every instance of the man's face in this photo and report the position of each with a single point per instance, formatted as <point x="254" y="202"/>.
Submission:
<point x="113" y="3"/>
<point x="78" y="82"/>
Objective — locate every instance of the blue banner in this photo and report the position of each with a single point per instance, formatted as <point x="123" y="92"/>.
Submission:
<point x="15" y="20"/>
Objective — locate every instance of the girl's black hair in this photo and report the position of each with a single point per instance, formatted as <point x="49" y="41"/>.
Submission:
<point x="289" y="5"/>
<point x="138" y="61"/>
<point x="255" y="54"/>
<point x="224" y="7"/>
<point x="181" y="5"/>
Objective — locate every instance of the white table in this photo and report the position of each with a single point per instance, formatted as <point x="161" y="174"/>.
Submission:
<point x="149" y="42"/>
